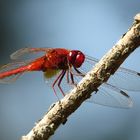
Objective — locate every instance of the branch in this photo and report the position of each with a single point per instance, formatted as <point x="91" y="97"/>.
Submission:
<point x="60" y="111"/>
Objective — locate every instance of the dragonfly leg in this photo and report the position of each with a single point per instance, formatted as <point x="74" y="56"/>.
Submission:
<point x="79" y="72"/>
<point x="60" y="80"/>
<point x="72" y="79"/>
<point x="56" y="82"/>
<point x="67" y="73"/>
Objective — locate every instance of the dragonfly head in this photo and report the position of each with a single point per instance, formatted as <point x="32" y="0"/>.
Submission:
<point x="76" y="58"/>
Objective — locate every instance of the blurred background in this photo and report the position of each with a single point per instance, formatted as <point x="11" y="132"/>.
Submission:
<point x="92" y="26"/>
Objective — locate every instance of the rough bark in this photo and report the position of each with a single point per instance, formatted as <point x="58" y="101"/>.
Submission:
<point x="111" y="61"/>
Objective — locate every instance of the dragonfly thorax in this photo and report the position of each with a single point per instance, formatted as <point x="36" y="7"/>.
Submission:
<point x="56" y="59"/>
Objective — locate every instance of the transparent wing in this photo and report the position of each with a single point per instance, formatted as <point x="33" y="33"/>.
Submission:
<point x="111" y="96"/>
<point x="9" y="67"/>
<point x="21" y="52"/>
<point x="126" y="79"/>
<point x="123" y="78"/>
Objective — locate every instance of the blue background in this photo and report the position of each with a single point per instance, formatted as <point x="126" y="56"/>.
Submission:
<point x="92" y="26"/>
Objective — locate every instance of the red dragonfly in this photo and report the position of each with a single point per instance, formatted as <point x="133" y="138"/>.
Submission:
<point x="71" y="65"/>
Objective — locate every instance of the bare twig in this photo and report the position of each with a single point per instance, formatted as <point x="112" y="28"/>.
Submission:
<point x="59" y="113"/>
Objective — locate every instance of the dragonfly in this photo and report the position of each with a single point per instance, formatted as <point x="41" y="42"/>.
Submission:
<point x="67" y="67"/>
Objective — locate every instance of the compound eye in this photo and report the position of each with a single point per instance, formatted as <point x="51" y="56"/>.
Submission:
<point x="79" y="59"/>
<point x="72" y="56"/>
<point x="76" y="58"/>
